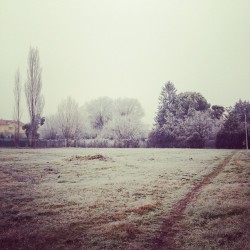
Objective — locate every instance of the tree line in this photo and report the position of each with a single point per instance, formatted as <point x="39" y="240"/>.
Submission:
<point x="182" y="119"/>
<point x="188" y="120"/>
<point x="102" y="118"/>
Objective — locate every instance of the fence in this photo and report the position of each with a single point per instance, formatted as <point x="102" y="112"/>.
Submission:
<point x="84" y="143"/>
<point x="106" y="143"/>
<point x="7" y="142"/>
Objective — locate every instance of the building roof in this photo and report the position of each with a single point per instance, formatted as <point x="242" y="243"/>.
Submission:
<point x="7" y="122"/>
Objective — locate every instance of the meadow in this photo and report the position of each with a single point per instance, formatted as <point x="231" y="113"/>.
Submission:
<point x="73" y="198"/>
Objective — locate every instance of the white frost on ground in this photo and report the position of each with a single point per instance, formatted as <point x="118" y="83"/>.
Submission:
<point x="131" y="187"/>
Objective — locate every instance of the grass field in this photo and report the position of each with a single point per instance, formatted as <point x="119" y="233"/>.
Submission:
<point x="124" y="199"/>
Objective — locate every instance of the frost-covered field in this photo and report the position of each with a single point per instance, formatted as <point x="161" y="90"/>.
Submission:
<point x="94" y="198"/>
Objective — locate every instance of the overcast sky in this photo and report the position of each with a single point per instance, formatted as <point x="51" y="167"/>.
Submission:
<point x="117" y="48"/>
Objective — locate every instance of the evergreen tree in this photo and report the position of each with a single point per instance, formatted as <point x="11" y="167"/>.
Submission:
<point x="166" y="103"/>
<point x="232" y="135"/>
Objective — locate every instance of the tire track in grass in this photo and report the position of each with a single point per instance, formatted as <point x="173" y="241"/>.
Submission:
<point x="169" y="229"/>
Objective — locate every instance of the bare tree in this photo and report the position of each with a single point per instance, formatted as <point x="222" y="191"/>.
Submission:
<point x="128" y="107"/>
<point x="34" y="98"/>
<point x="99" y="112"/>
<point x="17" y="105"/>
<point x="126" y="126"/>
<point x="51" y="128"/>
<point x="127" y="130"/>
<point x="69" y="120"/>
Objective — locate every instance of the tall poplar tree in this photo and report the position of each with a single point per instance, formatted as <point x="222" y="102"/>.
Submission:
<point x="17" y="106"/>
<point x="34" y="97"/>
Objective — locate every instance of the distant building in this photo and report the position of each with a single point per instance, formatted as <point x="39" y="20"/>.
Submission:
<point x="8" y="129"/>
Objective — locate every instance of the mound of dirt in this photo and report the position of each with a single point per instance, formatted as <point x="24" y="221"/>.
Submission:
<point x="88" y="158"/>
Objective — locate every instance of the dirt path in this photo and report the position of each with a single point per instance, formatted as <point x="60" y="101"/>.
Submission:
<point x="166" y="239"/>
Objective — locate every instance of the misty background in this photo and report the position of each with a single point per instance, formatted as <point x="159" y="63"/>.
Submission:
<point x="116" y="48"/>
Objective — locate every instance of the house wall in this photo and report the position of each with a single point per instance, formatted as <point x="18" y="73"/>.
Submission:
<point x="8" y="128"/>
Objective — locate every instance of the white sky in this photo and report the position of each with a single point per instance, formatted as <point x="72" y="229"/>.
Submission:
<point x="118" y="48"/>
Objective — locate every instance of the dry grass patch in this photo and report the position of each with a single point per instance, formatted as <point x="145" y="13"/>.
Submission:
<point x="144" y="209"/>
<point x="88" y="158"/>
